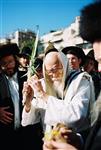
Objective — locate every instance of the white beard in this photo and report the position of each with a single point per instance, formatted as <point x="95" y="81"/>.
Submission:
<point x="58" y="88"/>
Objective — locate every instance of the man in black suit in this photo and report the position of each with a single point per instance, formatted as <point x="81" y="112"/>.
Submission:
<point x="11" y="84"/>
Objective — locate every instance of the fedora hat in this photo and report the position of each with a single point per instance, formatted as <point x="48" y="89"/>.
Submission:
<point x="9" y="49"/>
<point x="77" y="51"/>
<point x="90" y="54"/>
<point x="26" y="51"/>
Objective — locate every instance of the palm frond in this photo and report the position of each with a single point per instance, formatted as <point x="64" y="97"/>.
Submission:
<point x="31" y="68"/>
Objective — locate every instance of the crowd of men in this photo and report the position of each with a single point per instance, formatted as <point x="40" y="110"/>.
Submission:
<point x="65" y="89"/>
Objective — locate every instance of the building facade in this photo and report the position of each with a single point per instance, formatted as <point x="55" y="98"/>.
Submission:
<point x="68" y="36"/>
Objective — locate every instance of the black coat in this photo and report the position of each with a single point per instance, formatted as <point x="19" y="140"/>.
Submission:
<point x="6" y="100"/>
<point x="29" y="137"/>
<point x="93" y="141"/>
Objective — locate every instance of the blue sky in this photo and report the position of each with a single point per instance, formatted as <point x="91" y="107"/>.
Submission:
<point x="48" y="14"/>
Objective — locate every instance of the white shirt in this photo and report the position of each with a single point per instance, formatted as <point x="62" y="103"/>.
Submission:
<point x="14" y="90"/>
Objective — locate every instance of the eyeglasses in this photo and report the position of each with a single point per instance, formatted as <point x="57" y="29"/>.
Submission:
<point x="54" y="70"/>
<point x="5" y="64"/>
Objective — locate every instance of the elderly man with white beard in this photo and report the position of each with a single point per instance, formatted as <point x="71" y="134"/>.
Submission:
<point x="67" y="98"/>
<point x="90" y="30"/>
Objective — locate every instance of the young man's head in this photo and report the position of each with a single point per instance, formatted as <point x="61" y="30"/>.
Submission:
<point x="90" y="63"/>
<point x="8" y="61"/>
<point x="24" y="57"/>
<point x="90" y="27"/>
<point x="75" y="56"/>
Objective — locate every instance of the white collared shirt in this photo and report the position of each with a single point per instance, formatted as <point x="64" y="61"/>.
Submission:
<point x="14" y="89"/>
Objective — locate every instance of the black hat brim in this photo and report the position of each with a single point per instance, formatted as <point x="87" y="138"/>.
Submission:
<point x="77" y="51"/>
<point x="9" y="49"/>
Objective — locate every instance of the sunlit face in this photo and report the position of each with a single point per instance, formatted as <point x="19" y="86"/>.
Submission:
<point x="8" y="65"/>
<point x="54" y="68"/>
<point x="74" y="62"/>
<point x="97" y="52"/>
<point x="24" y="61"/>
<point x="55" y="71"/>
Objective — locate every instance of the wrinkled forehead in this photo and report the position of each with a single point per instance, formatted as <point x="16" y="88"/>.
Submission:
<point x="52" y="60"/>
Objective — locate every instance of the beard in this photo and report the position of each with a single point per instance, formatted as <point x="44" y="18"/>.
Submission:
<point x="10" y="72"/>
<point x="58" y="88"/>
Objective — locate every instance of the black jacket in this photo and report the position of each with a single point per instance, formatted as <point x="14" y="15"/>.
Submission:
<point x="93" y="141"/>
<point x="6" y="100"/>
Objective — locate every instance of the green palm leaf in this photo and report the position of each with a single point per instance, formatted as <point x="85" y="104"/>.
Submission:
<point x="31" y="68"/>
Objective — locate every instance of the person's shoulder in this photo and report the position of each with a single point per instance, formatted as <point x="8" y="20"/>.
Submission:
<point x="85" y="75"/>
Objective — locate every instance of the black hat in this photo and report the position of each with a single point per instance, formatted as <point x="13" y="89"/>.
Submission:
<point x="26" y="51"/>
<point x="90" y="22"/>
<point x="77" y="51"/>
<point x="9" y="49"/>
<point x="90" y="54"/>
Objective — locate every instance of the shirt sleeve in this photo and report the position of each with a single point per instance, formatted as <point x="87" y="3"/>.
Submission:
<point x="36" y="113"/>
<point x="31" y="117"/>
